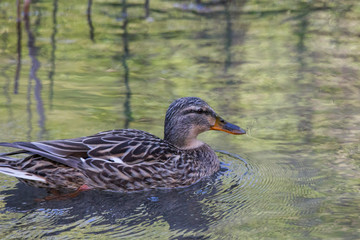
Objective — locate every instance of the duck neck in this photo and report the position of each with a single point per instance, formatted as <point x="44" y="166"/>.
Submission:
<point x="184" y="139"/>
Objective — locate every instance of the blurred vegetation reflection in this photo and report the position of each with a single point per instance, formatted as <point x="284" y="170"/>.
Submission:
<point x="287" y="71"/>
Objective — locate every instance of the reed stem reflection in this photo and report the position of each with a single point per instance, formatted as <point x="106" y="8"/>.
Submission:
<point x="147" y="8"/>
<point x="305" y="112"/>
<point x="18" y="46"/>
<point x="89" y="20"/>
<point x="6" y="91"/>
<point x="127" y="106"/>
<point x="228" y="38"/>
<point x="52" y="56"/>
<point x="35" y="65"/>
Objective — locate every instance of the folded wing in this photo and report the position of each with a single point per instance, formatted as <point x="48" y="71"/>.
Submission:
<point x="126" y="146"/>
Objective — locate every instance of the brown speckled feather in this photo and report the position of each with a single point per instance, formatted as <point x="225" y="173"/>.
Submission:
<point x="121" y="160"/>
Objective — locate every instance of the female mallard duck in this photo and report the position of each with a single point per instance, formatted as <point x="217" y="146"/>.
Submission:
<point x="125" y="159"/>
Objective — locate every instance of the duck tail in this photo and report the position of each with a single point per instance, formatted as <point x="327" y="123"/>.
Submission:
<point x="8" y="167"/>
<point x="10" y="171"/>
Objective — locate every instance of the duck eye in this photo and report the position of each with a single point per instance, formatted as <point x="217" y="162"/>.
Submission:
<point x="200" y="110"/>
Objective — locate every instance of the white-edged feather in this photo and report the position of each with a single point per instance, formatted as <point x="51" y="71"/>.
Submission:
<point x="117" y="160"/>
<point x="21" y="174"/>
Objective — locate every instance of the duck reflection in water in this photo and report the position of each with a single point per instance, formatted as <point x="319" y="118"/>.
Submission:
<point x="192" y="208"/>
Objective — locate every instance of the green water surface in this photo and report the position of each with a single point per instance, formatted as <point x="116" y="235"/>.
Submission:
<point x="286" y="71"/>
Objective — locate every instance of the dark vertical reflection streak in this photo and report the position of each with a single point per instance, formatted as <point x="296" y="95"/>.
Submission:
<point x="304" y="112"/>
<point x="18" y="49"/>
<point x="29" y="111"/>
<point x="228" y="37"/>
<point x="35" y="65"/>
<point x="89" y="19"/>
<point x="127" y="107"/>
<point x="232" y="36"/>
<point x="52" y="58"/>
<point x="147" y="10"/>
<point x="6" y="93"/>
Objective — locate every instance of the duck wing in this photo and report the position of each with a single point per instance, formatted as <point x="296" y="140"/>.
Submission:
<point x="129" y="146"/>
<point x="125" y="146"/>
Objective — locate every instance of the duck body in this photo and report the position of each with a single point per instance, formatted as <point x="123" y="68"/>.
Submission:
<point x="119" y="160"/>
<point x="124" y="159"/>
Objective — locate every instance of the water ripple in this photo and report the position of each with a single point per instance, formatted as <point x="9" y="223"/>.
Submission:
<point x="242" y="188"/>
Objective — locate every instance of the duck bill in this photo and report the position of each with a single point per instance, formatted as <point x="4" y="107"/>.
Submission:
<point x="222" y="125"/>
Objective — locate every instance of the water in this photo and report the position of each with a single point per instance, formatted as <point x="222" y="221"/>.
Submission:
<point x="287" y="72"/>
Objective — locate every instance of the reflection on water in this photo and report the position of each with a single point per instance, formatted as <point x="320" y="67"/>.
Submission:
<point x="35" y="65"/>
<point x="18" y="60"/>
<point x="6" y="92"/>
<point x="124" y="59"/>
<point x="52" y="55"/>
<point x="91" y="26"/>
<point x="147" y="9"/>
<point x="288" y="72"/>
<point x="187" y="211"/>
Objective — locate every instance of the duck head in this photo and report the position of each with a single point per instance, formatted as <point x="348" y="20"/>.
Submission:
<point x="187" y="117"/>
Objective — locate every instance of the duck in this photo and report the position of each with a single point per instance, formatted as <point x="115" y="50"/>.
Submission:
<point x="124" y="160"/>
